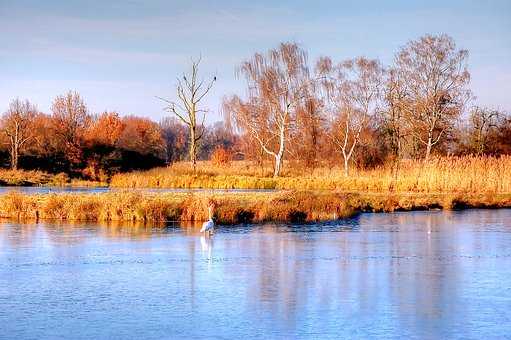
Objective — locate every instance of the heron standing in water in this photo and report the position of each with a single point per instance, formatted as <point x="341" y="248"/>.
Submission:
<point x="209" y="226"/>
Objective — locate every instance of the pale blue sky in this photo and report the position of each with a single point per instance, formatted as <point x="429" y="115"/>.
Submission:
<point x="121" y="54"/>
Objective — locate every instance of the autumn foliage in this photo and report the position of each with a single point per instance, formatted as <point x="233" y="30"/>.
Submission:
<point x="292" y="117"/>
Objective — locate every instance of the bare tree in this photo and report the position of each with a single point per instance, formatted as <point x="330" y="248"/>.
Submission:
<point x="434" y="78"/>
<point x="190" y="91"/>
<point x="352" y="92"/>
<point x="17" y="125"/>
<point x="482" y="122"/>
<point x="276" y="85"/>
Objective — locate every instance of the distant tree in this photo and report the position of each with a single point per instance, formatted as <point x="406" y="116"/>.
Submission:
<point x="276" y="84"/>
<point x="482" y="123"/>
<point x="100" y="143"/>
<point x="308" y="143"/>
<point x="70" y="119"/>
<point x="141" y="135"/>
<point x="217" y="136"/>
<point x="393" y="123"/>
<point x="190" y="91"/>
<point x="433" y="79"/>
<point x="175" y="136"/>
<point x="352" y="92"/>
<point x="503" y="137"/>
<point x="17" y="124"/>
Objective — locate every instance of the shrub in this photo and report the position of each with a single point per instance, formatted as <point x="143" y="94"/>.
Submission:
<point x="221" y="156"/>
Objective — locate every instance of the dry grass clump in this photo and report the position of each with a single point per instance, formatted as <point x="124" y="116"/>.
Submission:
<point x="468" y="174"/>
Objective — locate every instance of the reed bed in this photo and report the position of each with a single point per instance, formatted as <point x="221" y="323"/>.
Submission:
<point x="468" y="174"/>
<point x="24" y="177"/>
<point x="288" y="206"/>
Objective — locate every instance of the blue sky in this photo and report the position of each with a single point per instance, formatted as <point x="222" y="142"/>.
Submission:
<point x="121" y="54"/>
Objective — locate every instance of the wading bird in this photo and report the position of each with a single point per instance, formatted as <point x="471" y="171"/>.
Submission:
<point x="209" y="226"/>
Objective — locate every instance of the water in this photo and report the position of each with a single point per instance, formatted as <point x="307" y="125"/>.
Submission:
<point x="100" y="190"/>
<point x="420" y="275"/>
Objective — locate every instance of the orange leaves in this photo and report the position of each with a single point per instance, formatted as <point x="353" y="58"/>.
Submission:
<point x="106" y="129"/>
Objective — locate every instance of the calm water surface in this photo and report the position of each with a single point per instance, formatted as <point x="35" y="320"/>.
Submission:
<point x="424" y="275"/>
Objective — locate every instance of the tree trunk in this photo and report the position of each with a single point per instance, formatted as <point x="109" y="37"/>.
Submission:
<point x="278" y="165"/>
<point x="14" y="158"/>
<point x="428" y="149"/>
<point x="280" y="155"/>
<point x="346" y="166"/>
<point x="193" y="149"/>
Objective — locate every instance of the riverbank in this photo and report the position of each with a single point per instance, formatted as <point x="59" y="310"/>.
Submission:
<point x="287" y="206"/>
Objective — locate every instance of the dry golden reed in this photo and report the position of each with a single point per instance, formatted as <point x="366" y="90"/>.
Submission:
<point x="468" y="174"/>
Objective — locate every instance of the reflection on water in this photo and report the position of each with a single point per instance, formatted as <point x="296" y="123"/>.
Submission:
<point x="417" y="275"/>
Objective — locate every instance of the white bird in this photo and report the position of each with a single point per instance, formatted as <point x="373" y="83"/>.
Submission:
<point x="209" y="226"/>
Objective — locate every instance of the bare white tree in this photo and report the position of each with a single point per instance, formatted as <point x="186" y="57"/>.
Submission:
<point x="17" y="125"/>
<point x="276" y="85"/>
<point x="352" y="93"/>
<point x="190" y="91"/>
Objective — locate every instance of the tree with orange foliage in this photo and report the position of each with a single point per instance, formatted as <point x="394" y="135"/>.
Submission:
<point x="105" y="129"/>
<point x="142" y="135"/>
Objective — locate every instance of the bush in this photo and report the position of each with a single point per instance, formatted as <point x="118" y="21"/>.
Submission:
<point x="221" y="156"/>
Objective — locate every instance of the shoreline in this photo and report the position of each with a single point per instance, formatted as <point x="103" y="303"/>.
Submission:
<point x="232" y="208"/>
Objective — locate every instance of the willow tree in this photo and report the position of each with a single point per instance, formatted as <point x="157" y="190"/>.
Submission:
<point x="17" y="124"/>
<point x="434" y="79"/>
<point x="352" y="92"/>
<point x="190" y="91"/>
<point x="276" y="85"/>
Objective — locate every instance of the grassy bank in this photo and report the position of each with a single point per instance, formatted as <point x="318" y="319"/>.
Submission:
<point x="447" y="175"/>
<point x="230" y="208"/>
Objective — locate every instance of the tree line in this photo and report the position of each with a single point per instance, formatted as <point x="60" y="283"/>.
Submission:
<point x="355" y="112"/>
<point x="93" y="146"/>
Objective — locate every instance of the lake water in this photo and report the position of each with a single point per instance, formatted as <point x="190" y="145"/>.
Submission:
<point x="423" y="275"/>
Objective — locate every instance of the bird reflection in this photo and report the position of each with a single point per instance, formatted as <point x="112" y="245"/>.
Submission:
<point x="207" y="247"/>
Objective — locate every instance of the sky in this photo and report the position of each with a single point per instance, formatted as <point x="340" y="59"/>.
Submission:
<point x="121" y="55"/>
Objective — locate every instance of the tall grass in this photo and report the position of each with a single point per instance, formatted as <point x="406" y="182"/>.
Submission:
<point x="287" y="206"/>
<point x="447" y="174"/>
